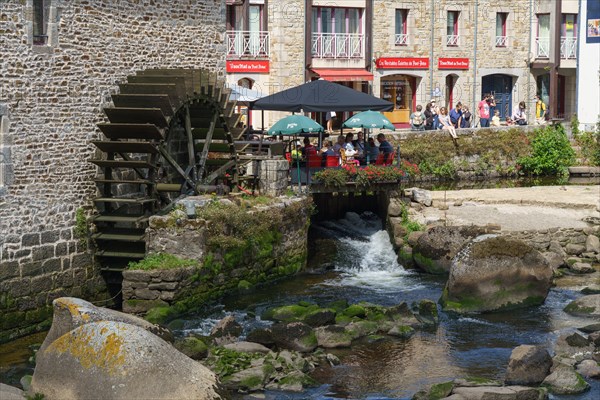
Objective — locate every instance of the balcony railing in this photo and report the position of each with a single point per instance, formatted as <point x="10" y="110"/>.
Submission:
<point x="542" y="47"/>
<point x="501" y="41"/>
<point x="338" y="45"/>
<point x="247" y="44"/>
<point x="401" y="39"/>
<point x="568" y="47"/>
<point x="452" y="40"/>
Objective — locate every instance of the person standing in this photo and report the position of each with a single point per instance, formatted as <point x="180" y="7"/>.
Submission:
<point x="329" y="117"/>
<point x="492" y="103"/>
<point x="484" y="112"/>
<point x="540" y="111"/>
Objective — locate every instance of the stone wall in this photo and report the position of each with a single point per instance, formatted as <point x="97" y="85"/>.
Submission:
<point x="52" y="96"/>
<point x="176" y="291"/>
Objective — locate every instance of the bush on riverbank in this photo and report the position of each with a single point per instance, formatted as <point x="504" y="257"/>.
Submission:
<point x="551" y="152"/>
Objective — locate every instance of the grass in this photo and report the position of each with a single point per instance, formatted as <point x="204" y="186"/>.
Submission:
<point x="162" y="261"/>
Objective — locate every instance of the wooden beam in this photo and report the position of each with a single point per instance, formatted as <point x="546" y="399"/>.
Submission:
<point x="214" y="175"/>
<point x="190" y="144"/>
<point x="204" y="154"/>
<point x="170" y="160"/>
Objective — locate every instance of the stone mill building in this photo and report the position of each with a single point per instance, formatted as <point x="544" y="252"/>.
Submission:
<point x="60" y="62"/>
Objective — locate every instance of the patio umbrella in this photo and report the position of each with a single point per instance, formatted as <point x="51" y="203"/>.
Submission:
<point x="294" y="125"/>
<point x="368" y="120"/>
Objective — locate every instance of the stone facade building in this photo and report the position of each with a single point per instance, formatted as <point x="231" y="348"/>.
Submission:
<point x="409" y="52"/>
<point x="60" y="62"/>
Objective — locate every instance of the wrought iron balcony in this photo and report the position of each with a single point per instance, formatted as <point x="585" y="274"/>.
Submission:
<point x="501" y="41"/>
<point x="568" y="48"/>
<point x="247" y="44"/>
<point x="401" y="39"/>
<point x="338" y="45"/>
<point x="452" y="40"/>
<point x="542" y="47"/>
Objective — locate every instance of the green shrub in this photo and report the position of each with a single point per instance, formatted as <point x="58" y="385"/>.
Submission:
<point x="82" y="229"/>
<point x="551" y="152"/>
<point x="162" y="261"/>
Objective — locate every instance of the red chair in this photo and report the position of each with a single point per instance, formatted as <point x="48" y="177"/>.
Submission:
<point x="314" y="161"/>
<point x="380" y="159"/>
<point x="332" y="161"/>
<point x="390" y="158"/>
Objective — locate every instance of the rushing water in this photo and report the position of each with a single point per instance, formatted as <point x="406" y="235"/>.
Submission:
<point x="353" y="259"/>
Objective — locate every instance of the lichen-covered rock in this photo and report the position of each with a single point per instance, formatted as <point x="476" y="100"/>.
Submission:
<point x="428" y="312"/>
<point x="582" y="268"/>
<point x="320" y="317"/>
<point x="586" y="306"/>
<point x="116" y="360"/>
<point x="589" y="369"/>
<point x="502" y="392"/>
<point x="402" y="314"/>
<point x="71" y="312"/>
<point x="11" y="393"/>
<point x="592" y="244"/>
<point x="496" y="273"/>
<point x="262" y="336"/>
<point x="247" y="347"/>
<point x="434" y="250"/>
<point x="565" y="380"/>
<point x="528" y="365"/>
<point x="402" y="331"/>
<point x="192" y="347"/>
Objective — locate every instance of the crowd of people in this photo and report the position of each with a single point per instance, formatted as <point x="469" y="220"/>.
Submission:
<point x="434" y="117"/>
<point x="346" y="149"/>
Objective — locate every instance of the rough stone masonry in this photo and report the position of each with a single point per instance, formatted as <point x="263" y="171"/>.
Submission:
<point x="51" y="97"/>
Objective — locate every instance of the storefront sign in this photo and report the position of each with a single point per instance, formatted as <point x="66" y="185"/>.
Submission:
<point x="256" y="66"/>
<point x="453" y="63"/>
<point x="402" y="63"/>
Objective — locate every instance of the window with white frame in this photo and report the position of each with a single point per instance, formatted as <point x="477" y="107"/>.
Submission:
<point x="452" y="36"/>
<point x="501" y="36"/>
<point x="246" y="33"/>
<point x="401" y="37"/>
<point x="568" y="37"/>
<point x="337" y="32"/>
<point x="543" y="36"/>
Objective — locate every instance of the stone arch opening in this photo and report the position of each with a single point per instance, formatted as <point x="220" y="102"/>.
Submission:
<point x="333" y="206"/>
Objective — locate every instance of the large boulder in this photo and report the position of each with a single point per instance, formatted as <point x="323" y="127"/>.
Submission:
<point x="503" y="392"/>
<point x="11" y="393"/>
<point x="71" y="313"/>
<point x="116" y="360"/>
<point x="332" y="336"/>
<point x="528" y="365"/>
<point x="434" y="250"/>
<point x="295" y="336"/>
<point x="586" y="306"/>
<point x="496" y="273"/>
<point x="226" y="331"/>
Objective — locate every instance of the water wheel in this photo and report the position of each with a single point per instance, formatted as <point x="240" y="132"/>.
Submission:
<point x="170" y="132"/>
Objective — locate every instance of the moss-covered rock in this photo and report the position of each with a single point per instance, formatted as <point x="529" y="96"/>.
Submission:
<point x="403" y="331"/>
<point x="355" y="310"/>
<point x="333" y="336"/>
<point x="586" y="306"/>
<point x="192" y="347"/>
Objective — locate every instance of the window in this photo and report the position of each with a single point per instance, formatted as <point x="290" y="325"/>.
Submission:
<point x="543" y="36"/>
<point x="41" y="11"/>
<point x="337" y="32"/>
<point x="246" y="34"/>
<point x="501" y="38"/>
<point x="568" y="39"/>
<point x="401" y="38"/>
<point x="452" y="29"/>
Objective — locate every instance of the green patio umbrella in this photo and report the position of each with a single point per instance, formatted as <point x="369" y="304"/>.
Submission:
<point x="293" y="125"/>
<point x="368" y="120"/>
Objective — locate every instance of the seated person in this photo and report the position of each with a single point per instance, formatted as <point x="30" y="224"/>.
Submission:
<point x="338" y="145"/>
<point x="417" y="119"/>
<point x="348" y="142"/>
<point x="519" y="117"/>
<point x="372" y="151"/>
<point x="297" y="154"/>
<point x="466" y="117"/>
<point x="326" y="151"/>
<point x="308" y="150"/>
<point x="496" y="118"/>
<point x="456" y="115"/>
<point x="385" y="147"/>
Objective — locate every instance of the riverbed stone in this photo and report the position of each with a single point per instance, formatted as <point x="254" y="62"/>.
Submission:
<point x="320" y="317"/>
<point x="226" y="330"/>
<point x="565" y="380"/>
<point x="434" y="250"/>
<point x="574" y="249"/>
<point x="592" y="244"/>
<point x="250" y="379"/>
<point x="420" y="196"/>
<point x="582" y="268"/>
<point x="591" y="328"/>
<point x="247" y="347"/>
<point x="262" y="336"/>
<point x="586" y="306"/>
<point x="528" y="365"/>
<point x="11" y="393"/>
<point x="295" y="336"/>
<point x="555" y="260"/>
<point x="117" y="360"/>
<point x="500" y="392"/>
<point x="192" y="347"/>
<point x="333" y="336"/>
<point x="589" y="369"/>
<point x="496" y="273"/>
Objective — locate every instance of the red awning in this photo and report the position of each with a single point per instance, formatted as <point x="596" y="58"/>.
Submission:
<point x="340" y="75"/>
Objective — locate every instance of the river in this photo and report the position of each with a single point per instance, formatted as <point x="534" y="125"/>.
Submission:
<point x="353" y="259"/>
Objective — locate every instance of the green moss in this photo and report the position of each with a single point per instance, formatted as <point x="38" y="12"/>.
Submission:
<point x="244" y="285"/>
<point x="482" y="381"/>
<point x="355" y="311"/>
<point x="428" y="264"/>
<point x="251" y="382"/>
<point x="574" y="308"/>
<point x="338" y="305"/>
<point x="309" y="340"/>
<point x="160" y="315"/>
<point x="162" y="261"/>
<point x="341" y="319"/>
<point x="441" y="390"/>
<point x="82" y="229"/>
<point x="304" y="380"/>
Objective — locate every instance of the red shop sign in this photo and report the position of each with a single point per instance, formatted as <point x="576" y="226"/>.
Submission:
<point x="258" y="66"/>
<point x="402" y="63"/>
<point x="453" y="63"/>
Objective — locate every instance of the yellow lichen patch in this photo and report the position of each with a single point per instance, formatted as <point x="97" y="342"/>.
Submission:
<point x="93" y="348"/>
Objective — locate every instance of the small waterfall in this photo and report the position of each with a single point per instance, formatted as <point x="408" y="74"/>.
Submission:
<point x="366" y="257"/>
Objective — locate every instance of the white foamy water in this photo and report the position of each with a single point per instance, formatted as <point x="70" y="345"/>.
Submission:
<point x="367" y="257"/>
